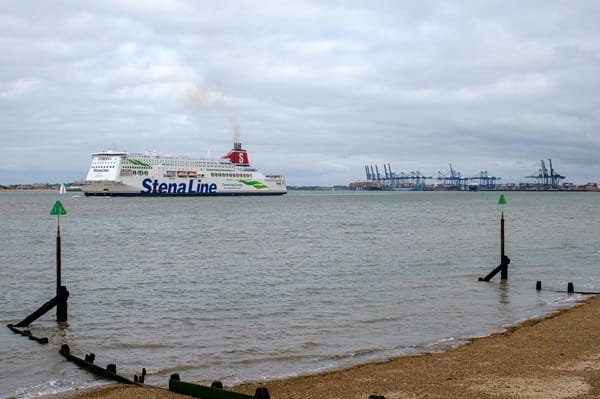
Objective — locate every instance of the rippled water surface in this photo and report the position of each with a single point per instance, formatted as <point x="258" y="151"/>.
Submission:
<point x="252" y="288"/>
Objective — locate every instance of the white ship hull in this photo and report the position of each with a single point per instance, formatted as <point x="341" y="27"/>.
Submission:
<point x="123" y="174"/>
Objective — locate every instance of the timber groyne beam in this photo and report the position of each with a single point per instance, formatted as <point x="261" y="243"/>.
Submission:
<point x="62" y="296"/>
<point x="502" y="268"/>
<point x="215" y="391"/>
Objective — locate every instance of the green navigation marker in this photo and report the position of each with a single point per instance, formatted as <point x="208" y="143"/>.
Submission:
<point x="58" y="209"/>
<point x="502" y="200"/>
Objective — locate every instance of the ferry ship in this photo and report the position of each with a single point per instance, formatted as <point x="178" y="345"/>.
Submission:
<point x="114" y="173"/>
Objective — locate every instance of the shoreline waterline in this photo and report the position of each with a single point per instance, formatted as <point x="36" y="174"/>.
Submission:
<point x="99" y="388"/>
<point x="514" y="363"/>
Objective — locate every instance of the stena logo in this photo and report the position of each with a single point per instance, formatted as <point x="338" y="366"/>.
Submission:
<point x="191" y="187"/>
<point x="241" y="160"/>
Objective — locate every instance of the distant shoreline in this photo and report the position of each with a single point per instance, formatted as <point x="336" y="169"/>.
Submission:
<point x="23" y="190"/>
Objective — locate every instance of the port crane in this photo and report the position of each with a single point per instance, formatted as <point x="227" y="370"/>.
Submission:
<point x="452" y="179"/>
<point x="547" y="179"/>
<point x="415" y="179"/>
<point x="391" y="180"/>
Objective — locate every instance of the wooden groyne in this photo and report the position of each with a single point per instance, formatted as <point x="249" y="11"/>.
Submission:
<point x="87" y="363"/>
<point x="28" y="334"/>
<point x="215" y="391"/>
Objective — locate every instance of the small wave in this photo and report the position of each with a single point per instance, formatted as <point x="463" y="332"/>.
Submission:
<point x="131" y="345"/>
<point x="274" y="359"/>
<point x="444" y="344"/>
<point x="379" y="320"/>
<point x="357" y="354"/>
<point x="51" y="387"/>
<point x="170" y="369"/>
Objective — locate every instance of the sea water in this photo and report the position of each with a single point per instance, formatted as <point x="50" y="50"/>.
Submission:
<point x="251" y="289"/>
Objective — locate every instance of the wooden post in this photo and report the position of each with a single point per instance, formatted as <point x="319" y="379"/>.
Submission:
<point x="58" y="260"/>
<point x="501" y="236"/>
<point x="502" y="268"/>
<point x="261" y="393"/>
<point x="503" y="260"/>
<point x="61" y="304"/>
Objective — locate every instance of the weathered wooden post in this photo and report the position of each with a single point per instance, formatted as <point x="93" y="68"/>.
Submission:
<point x="61" y="304"/>
<point x="261" y="393"/>
<point x="504" y="261"/>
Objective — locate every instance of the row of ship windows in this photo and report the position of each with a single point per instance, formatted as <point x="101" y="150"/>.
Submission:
<point x="238" y="175"/>
<point x="219" y="174"/>
<point x="161" y="162"/>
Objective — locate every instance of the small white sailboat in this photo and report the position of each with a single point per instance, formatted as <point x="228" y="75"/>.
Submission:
<point x="62" y="189"/>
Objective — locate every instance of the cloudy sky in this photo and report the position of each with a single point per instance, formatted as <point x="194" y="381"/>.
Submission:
<point x="315" y="89"/>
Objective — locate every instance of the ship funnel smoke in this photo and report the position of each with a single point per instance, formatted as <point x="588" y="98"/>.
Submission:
<point x="236" y="128"/>
<point x="214" y="101"/>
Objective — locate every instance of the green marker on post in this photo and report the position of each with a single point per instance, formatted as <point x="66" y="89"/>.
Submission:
<point x="58" y="209"/>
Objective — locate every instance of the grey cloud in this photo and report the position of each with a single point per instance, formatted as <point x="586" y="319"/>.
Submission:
<point x="316" y="89"/>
